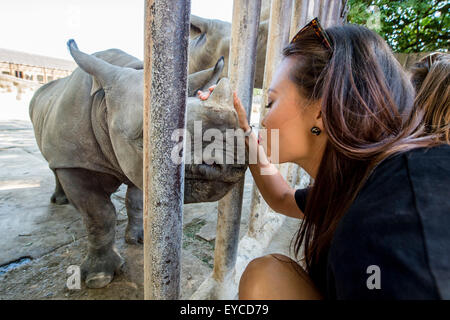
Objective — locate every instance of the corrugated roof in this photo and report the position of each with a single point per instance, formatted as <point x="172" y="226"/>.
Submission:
<point x="18" y="57"/>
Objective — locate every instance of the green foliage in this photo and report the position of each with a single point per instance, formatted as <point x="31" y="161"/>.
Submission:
<point x="407" y="25"/>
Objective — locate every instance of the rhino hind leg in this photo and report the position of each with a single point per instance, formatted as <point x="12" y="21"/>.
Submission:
<point x="134" y="233"/>
<point x="59" y="196"/>
<point x="89" y="192"/>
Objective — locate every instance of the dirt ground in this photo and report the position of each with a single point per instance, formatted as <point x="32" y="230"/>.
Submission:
<point x="40" y="240"/>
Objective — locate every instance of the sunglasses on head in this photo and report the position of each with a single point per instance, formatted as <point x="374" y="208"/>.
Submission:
<point x="318" y="31"/>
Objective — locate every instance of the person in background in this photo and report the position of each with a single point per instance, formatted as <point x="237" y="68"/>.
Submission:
<point x="431" y="78"/>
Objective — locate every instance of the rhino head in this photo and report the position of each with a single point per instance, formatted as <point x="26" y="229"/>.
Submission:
<point x="210" y="39"/>
<point x="208" y="180"/>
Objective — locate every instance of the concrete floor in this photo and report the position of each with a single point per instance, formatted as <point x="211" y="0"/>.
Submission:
<point x="40" y="240"/>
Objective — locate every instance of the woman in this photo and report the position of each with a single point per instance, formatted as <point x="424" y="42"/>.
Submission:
<point x="431" y="78"/>
<point x="375" y="220"/>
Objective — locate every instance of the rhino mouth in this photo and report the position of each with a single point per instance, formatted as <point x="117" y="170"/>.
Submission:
<point x="210" y="182"/>
<point x="215" y="172"/>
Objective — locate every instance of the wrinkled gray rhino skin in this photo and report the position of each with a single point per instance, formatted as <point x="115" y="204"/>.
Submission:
<point x="88" y="127"/>
<point x="210" y="39"/>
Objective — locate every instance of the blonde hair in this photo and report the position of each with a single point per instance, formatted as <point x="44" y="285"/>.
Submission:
<point x="431" y="76"/>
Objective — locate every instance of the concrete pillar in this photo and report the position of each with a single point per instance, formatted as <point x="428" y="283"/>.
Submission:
<point x="165" y="86"/>
<point x="299" y="16"/>
<point x="278" y="38"/>
<point x="323" y="7"/>
<point x="330" y="12"/>
<point x="244" y="35"/>
<point x="223" y="282"/>
<point x="316" y="10"/>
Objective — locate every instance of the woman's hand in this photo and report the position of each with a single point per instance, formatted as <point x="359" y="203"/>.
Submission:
<point x="242" y="115"/>
<point x="205" y="95"/>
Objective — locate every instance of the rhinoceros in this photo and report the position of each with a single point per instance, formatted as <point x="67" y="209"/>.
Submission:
<point x="209" y="39"/>
<point x="89" y="127"/>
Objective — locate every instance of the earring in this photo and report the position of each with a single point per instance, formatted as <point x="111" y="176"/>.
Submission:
<point x="316" y="131"/>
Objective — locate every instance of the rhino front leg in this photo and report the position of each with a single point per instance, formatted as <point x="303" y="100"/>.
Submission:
<point x="90" y="192"/>
<point x="134" y="202"/>
<point x="59" y="196"/>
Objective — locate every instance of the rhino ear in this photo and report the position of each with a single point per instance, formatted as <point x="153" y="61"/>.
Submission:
<point x="222" y="94"/>
<point x="100" y="70"/>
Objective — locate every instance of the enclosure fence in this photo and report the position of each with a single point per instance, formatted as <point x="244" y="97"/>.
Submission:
<point x="165" y="68"/>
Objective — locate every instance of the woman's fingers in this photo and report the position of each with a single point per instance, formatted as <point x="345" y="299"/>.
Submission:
<point x="242" y="115"/>
<point x="205" y="95"/>
<point x="238" y="104"/>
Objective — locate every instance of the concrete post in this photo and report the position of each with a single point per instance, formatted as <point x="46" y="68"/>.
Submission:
<point x="278" y="38"/>
<point x="223" y="283"/>
<point x="299" y="16"/>
<point x="244" y="35"/>
<point x="262" y="218"/>
<point x="338" y="13"/>
<point x="323" y="7"/>
<point x="263" y="221"/>
<point x="165" y="86"/>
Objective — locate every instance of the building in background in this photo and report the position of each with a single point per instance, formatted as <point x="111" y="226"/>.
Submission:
<point x="32" y="67"/>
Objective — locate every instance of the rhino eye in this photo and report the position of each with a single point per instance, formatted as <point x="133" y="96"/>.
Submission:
<point x="195" y="29"/>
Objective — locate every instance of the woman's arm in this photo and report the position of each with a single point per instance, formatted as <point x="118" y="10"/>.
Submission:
<point x="274" y="189"/>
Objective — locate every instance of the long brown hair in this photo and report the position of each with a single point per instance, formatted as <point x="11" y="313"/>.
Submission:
<point x="431" y="77"/>
<point x="366" y="99"/>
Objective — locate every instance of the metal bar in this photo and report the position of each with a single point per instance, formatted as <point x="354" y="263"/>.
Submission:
<point x="165" y="86"/>
<point x="244" y="34"/>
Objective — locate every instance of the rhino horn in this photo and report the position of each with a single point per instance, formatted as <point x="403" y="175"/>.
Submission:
<point x="222" y="94"/>
<point x="101" y="70"/>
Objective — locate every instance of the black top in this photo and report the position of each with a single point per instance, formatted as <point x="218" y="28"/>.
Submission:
<point x="396" y="231"/>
